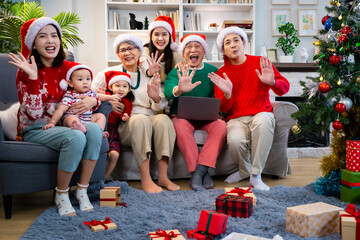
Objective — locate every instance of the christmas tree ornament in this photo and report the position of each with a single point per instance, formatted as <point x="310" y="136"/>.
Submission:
<point x="317" y="43"/>
<point x="338" y="4"/>
<point x="358" y="79"/>
<point x="333" y="2"/>
<point x="343" y="25"/>
<point x="296" y="128"/>
<point x="329" y="185"/>
<point x="350" y="59"/>
<point x="328" y="24"/>
<point x="330" y="36"/>
<point x="338" y="82"/>
<point x="324" y="87"/>
<point x="346" y="30"/>
<point x="340" y="107"/>
<point x="347" y="102"/>
<point x="334" y="60"/>
<point x="345" y="114"/>
<point x="323" y="20"/>
<point x="321" y="78"/>
<point x="342" y="39"/>
<point x="337" y="125"/>
<point x="340" y="17"/>
<point x="342" y="49"/>
<point x="341" y="134"/>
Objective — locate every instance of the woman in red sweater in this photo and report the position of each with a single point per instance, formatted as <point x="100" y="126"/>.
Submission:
<point x="42" y="69"/>
<point x="243" y="85"/>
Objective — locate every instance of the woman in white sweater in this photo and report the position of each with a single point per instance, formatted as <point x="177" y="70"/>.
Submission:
<point x="143" y="125"/>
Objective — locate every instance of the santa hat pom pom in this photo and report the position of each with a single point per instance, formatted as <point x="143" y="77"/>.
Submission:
<point x="174" y="46"/>
<point x="63" y="85"/>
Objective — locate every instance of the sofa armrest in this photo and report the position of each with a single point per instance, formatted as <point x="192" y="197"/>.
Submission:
<point x="2" y="135"/>
<point x="283" y="111"/>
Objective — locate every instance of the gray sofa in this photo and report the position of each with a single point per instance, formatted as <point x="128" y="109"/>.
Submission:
<point x="277" y="163"/>
<point x="29" y="167"/>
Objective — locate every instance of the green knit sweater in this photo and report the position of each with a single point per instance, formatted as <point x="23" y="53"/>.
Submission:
<point x="205" y="89"/>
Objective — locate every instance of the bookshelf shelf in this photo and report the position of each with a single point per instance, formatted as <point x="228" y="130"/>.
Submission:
<point x="199" y="14"/>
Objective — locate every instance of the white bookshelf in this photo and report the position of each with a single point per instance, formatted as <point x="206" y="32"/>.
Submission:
<point x="209" y="12"/>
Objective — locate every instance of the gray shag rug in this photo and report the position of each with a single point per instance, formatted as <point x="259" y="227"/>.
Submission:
<point x="175" y="210"/>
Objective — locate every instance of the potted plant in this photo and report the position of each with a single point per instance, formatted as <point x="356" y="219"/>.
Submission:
<point x="13" y="16"/>
<point x="287" y="43"/>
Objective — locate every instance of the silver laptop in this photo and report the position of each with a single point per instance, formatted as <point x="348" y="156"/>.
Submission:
<point x="198" y="108"/>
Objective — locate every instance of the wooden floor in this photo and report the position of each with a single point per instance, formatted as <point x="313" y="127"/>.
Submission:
<point x="27" y="207"/>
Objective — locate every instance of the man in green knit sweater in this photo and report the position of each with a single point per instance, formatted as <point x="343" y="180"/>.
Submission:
<point x="193" y="80"/>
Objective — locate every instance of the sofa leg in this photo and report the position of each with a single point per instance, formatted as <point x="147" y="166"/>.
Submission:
<point x="7" y="205"/>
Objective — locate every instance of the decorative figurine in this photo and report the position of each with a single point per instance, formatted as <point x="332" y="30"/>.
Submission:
<point x="135" y="24"/>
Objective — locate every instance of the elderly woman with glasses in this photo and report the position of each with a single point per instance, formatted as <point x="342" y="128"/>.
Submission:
<point x="143" y="125"/>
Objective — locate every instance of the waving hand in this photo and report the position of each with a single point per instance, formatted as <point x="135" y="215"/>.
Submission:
<point x="30" y="68"/>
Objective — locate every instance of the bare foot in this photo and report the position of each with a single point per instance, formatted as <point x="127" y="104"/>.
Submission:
<point x="151" y="187"/>
<point x="105" y="134"/>
<point x="78" y="126"/>
<point x="169" y="185"/>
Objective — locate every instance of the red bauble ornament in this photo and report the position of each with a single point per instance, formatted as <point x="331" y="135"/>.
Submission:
<point x="323" y="20"/>
<point x="337" y="125"/>
<point x="346" y="30"/>
<point x="324" y="87"/>
<point x="342" y="39"/>
<point x="340" y="107"/>
<point x="334" y="60"/>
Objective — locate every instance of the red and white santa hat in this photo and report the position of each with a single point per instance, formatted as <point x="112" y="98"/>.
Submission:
<point x="112" y="77"/>
<point x="29" y="31"/>
<point x="167" y="23"/>
<point x="74" y="66"/>
<point x="128" y="37"/>
<point x="191" y="37"/>
<point x="226" y="31"/>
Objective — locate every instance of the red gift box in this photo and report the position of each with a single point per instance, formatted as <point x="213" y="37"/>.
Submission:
<point x="349" y="223"/>
<point x="212" y="222"/>
<point x="199" y="235"/>
<point x="353" y="155"/>
<point x="236" y="206"/>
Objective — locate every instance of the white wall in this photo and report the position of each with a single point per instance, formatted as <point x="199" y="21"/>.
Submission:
<point x="92" y="27"/>
<point x="263" y="26"/>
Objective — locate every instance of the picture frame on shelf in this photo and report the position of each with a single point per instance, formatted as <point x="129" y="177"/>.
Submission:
<point x="272" y="55"/>
<point x="308" y="21"/>
<point x="307" y="2"/>
<point x="279" y="16"/>
<point x="280" y="2"/>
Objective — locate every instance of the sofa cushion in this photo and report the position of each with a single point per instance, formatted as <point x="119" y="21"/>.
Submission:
<point x="8" y="119"/>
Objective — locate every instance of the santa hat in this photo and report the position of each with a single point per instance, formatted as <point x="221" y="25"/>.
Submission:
<point x="74" y="67"/>
<point x="200" y="38"/>
<point x="112" y="77"/>
<point x="167" y="23"/>
<point x="128" y="37"/>
<point x="226" y="31"/>
<point x="29" y="31"/>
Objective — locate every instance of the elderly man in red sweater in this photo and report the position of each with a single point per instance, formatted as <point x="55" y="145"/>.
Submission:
<point x="243" y="85"/>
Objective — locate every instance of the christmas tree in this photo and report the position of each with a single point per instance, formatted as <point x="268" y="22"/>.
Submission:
<point x="332" y="98"/>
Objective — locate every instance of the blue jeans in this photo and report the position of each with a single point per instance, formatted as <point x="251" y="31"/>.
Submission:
<point x="73" y="145"/>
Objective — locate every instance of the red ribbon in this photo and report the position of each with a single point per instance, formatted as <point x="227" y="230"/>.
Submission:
<point x="122" y="204"/>
<point x="240" y="191"/>
<point x="162" y="233"/>
<point x="350" y="184"/>
<point x="351" y="210"/>
<point x="208" y="236"/>
<point x="96" y="223"/>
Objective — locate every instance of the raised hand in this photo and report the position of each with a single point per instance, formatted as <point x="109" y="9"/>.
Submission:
<point x="153" y="88"/>
<point x="224" y="84"/>
<point x="154" y="65"/>
<point x="185" y="80"/>
<point x="30" y="68"/>
<point x="267" y="74"/>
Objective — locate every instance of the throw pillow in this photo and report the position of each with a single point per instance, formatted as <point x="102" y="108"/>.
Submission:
<point x="9" y="121"/>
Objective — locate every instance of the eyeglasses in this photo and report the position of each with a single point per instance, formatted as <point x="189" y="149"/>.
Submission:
<point x="130" y="49"/>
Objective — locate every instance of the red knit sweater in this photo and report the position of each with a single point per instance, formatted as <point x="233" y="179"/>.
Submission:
<point x="38" y="98"/>
<point x="249" y="95"/>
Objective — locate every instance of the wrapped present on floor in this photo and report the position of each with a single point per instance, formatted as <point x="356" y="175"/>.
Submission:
<point x="246" y="192"/>
<point x="313" y="220"/>
<point x="350" y="223"/>
<point x="350" y="186"/>
<point x="353" y="155"/>
<point x="235" y="206"/>
<point x="110" y="197"/>
<point x="97" y="226"/>
<point x="242" y="236"/>
<point x="166" y="235"/>
<point x="212" y="222"/>
<point x="199" y="235"/>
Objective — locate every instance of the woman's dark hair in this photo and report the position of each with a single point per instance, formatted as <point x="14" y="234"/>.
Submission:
<point x="59" y="59"/>
<point x="168" y="54"/>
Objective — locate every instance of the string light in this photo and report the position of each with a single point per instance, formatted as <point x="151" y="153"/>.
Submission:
<point x="339" y="82"/>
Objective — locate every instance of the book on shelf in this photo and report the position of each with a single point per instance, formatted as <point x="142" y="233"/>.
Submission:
<point x="114" y="20"/>
<point x="173" y="14"/>
<point x="192" y="22"/>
